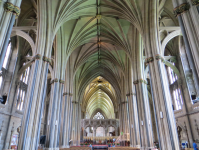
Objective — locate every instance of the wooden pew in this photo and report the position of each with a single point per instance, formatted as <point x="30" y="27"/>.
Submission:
<point x="123" y="148"/>
<point x="77" y="148"/>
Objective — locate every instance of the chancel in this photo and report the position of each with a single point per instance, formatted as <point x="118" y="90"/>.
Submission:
<point x="99" y="74"/>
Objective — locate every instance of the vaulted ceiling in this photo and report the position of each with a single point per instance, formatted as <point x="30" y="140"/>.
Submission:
<point x="98" y="37"/>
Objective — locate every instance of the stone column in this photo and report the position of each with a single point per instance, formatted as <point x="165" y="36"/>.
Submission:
<point x="75" y="123"/>
<point x="121" y="117"/>
<point x="145" y="125"/>
<point x="126" y="116"/>
<point x="188" y="19"/>
<point x="66" y="120"/>
<point x="94" y="135"/>
<point x="164" y="115"/>
<point x="131" y="121"/>
<point x="35" y="95"/>
<point x="106" y="131"/>
<point x="52" y="121"/>
<point x="58" y="113"/>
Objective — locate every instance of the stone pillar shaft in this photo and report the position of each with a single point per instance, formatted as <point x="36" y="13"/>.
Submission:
<point x="67" y="109"/>
<point x="145" y="126"/>
<point x="7" y="18"/>
<point x="131" y="122"/>
<point x="188" y="18"/>
<point x="33" y="106"/>
<point x="58" y="114"/>
<point x="165" y="121"/>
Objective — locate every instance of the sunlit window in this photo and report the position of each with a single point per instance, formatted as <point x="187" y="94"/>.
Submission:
<point x="98" y="116"/>
<point x="21" y="92"/>
<point x="24" y="76"/>
<point x="172" y="76"/>
<point x="176" y="92"/>
<point x="7" y="56"/>
<point x="20" y="99"/>
<point x="1" y="79"/>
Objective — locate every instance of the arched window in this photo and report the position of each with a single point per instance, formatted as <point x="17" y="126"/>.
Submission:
<point x="175" y="91"/>
<point x="98" y="116"/>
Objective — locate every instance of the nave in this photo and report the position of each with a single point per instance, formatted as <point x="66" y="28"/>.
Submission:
<point x="86" y="74"/>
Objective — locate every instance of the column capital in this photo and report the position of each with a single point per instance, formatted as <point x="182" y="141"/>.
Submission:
<point x="181" y="9"/>
<point x="9" y="7"/>
<point x="54" y="80"/>
<point x="69" y="94"/>
<point x="129" y="94"/>
<point x="159" y="57"/>
<point x="140" y="81"/>
<point x="37" y="56"/>
<point x="61" y="81"/>
<point x="124" y="102"/>
<point x="149" y="60"/>
<point x="46" y="59"/>
<point x="195" y="2"/>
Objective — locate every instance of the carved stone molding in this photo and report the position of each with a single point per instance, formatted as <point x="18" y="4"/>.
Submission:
<point x="95" y="123"/>
<point x="181" y="9"/>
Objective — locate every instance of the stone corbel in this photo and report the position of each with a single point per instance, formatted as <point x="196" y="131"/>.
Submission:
<point x="181" y="9"/>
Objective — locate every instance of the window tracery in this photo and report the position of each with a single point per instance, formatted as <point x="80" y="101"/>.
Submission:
<point x="98" y="116"/>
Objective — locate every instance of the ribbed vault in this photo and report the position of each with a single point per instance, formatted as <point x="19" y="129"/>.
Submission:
<point x="97" y="44"/>
<point x="100" y="97"/>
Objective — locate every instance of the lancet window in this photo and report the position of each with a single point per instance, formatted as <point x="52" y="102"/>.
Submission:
<point x="175" y="91"/>
<point x="22" y="89"/>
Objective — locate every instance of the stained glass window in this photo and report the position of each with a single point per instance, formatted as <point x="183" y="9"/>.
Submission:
<point x="98" y="116"/>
